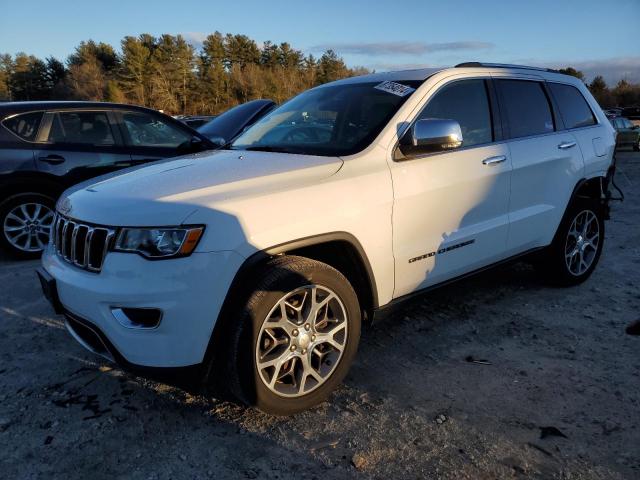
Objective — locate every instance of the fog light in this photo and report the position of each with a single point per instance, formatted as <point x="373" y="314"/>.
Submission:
<point x="137" y="317"/>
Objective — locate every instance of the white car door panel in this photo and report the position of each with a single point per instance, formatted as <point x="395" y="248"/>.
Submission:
<point x="547" y="162"/>
<point x="450" y="215"/>
<point x="541" y="184"/>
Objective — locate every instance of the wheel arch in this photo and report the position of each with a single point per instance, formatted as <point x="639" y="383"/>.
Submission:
<point x="18" y="183"/>
<point x="341" y="250"/>
<point x="592" y="188"/>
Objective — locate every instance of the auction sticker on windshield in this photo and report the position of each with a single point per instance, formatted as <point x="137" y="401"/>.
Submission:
<point x="395" y="88"/>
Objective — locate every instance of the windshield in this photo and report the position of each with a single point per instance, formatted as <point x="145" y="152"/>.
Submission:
<point x="228" y="124"/>
<point x="329" y="121"/>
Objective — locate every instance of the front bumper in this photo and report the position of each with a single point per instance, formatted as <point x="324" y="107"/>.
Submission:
<point x="189" y="291"/>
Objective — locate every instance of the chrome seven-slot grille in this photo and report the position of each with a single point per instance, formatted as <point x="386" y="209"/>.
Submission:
<point x="82" y="245"/>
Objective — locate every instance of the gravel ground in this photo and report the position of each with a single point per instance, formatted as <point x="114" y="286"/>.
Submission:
<point x="498" y="376"/>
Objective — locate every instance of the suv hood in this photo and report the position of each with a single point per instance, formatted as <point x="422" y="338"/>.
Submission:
<point x="166" y="193"/>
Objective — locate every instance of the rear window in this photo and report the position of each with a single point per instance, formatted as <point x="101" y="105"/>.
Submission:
<point x="574" y="108"/>
<point x="81" y="127"/>
<point x="25" y="125"/>
<point x="526" y="107"/>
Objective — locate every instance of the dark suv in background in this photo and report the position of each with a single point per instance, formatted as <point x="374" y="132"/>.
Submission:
<point x="46" y="147"/>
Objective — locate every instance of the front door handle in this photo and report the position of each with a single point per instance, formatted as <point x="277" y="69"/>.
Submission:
<point x="565" y="145"/>
<point x="52" y="159"/>
<point x="494" y="160"/>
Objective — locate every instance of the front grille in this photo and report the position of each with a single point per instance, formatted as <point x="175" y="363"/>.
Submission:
<point x="82" y="245"/>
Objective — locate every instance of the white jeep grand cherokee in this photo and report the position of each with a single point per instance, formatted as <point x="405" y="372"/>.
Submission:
<point x="256" y="265"/>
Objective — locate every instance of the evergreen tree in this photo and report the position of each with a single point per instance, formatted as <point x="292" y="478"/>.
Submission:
<point x="600" y="91"/>
<point x="6" y="71"/>
<point x="28" y="78"/>
<point x="134" y="72"/>
<point x="573" y="72"/>
<point x="330" y="68"/>
<point x="55" y="74"/>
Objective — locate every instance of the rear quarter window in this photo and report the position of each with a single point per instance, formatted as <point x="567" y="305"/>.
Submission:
<point x="527" y="108"/>
<point x="574" y="109"/>
<point x="24" y="125"/>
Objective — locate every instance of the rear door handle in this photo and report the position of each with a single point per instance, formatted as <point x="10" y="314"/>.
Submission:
<point x="565" y="145"/>
<point x="494" y="160"/>
<point x="52" y="159"/>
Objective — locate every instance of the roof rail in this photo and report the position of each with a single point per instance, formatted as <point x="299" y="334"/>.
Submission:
<point x="503" y="65"/>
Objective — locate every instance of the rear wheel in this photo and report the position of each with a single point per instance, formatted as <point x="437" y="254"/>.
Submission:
<point x="26" y="220"/>
<point x="295" y="338"/>
<point x="636" y="146"/>
<point x="577" y="246"/>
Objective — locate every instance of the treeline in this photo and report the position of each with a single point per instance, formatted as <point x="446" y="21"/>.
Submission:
<point x="170" y="74"/>
<point x="623" y="94"/>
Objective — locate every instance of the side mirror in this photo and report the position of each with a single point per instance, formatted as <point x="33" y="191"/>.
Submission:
<point x="431" y="135"/>
<point x="195" y="144"/>
<point x="217" y="141"/>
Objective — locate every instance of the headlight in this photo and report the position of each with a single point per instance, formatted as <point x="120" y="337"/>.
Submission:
<point x="159" y="242"/>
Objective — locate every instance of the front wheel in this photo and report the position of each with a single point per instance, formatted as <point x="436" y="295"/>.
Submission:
<point x="577" y="246"/>
<point x="295" y="338"/>
<point x="26" y="220"/>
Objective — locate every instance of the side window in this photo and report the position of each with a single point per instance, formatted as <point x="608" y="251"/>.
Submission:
<point x="80" y="127"/>
<point x="25" y="125"/>
<point x="465" y="101"/>
<point x="574" y="108"/>
<point x="526" y="107"/>
<point x="150" y="131"/>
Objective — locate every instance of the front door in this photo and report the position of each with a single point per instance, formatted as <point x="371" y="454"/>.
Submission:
<point x="450" y="213"/>
<point x="151" y="137"/>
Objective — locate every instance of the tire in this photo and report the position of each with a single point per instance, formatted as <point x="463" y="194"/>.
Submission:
<point x="258" y="336"/>
<point x="636" y="146"/>
<point x="25" y="222"/>
<point x="577" y="245"/>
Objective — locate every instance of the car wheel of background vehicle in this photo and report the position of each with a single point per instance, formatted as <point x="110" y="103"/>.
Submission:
<point x="26" y="221"/>
<point x="295" y="337"/>
<point x="577" y="246"/>
<point x="636" y="146"/>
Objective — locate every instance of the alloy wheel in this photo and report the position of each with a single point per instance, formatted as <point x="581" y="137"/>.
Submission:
<point x="301" y="341"/>
<point x="27" y="226"/>
<point x="582" y="242"/>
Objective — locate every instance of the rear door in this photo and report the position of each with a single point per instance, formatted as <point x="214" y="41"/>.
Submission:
<point x="579" y="119"/>
<point x="546" y="159"/>
<point x="76" y="145"/>
<point x="151" y="137"/>
<point x="17" y="137"/>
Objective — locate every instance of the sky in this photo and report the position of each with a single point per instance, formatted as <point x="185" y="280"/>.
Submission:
<point x="595" y="36"/>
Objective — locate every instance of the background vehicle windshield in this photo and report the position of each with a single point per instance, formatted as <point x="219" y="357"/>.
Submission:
<point x="228" y="124"/>
<point x="329" y="121"/>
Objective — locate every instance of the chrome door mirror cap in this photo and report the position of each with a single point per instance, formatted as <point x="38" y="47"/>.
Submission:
<point x="430" y="135"/>
<point x="436" y="133"/>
